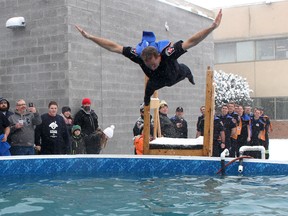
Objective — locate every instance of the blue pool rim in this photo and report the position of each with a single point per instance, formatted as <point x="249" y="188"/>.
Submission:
<point x="132" y="166"/>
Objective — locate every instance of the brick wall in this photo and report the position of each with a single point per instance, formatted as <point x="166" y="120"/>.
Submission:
<point x="280" y="130"/>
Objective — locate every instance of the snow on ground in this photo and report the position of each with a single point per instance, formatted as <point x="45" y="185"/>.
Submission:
<point x="278" y="149"/>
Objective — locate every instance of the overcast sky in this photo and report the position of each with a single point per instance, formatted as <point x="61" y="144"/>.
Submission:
<point x="211" y="4"/>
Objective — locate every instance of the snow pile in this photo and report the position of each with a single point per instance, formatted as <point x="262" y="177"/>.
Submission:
<point x="278" y="149"/>
<point x="177" y="141"/>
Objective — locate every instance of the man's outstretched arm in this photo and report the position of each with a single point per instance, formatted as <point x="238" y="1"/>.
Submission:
<point x="199" y="36"/>
<point x="104" y="43"/>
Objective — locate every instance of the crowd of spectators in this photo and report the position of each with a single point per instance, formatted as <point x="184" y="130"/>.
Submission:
<point x="25" y="132"/>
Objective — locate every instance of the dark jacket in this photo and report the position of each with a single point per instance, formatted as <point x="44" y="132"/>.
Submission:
<point x="168" y="129"/>
<point x="228" y="123"/>
<point x="52" y="135"/>
<point x="200" y="125"/>
<point x="4" y="123"/>
<point x="94" y="142"/>
<point x="78" y="144"/>
<point x="257" y="126"/>
<point x="168" y="73"/>
<point x="183" y="129"/>
<point x="88" y="121"/>
<point x="139" y="125"/>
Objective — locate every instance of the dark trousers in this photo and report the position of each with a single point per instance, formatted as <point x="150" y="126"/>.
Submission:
<point x="22" y="150"/>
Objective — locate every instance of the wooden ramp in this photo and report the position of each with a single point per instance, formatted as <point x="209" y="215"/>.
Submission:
<point x="185" y="147"/>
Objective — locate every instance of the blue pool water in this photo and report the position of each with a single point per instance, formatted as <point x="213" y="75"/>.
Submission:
<point x="131" y="185"/>
<point x="177" y="195"/>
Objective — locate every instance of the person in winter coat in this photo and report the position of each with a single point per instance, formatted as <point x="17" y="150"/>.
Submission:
<point x="4" y="133"/>
<point x="22" y="134"/>
<point x="52" y="135"/>
<point x="86" y="118"/>
<point x="138" y="126"/>
<point x="4" y="107"/>
<point x="66" y="114"/>
<point x="180" y="123"/>
<point x="77" y="139"/>
<point x="98" y="140"/>
<point x="168" y="129"/>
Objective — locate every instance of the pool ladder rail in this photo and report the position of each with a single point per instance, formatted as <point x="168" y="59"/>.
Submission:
<point x="249" y="148"/>
<point x="225" y="153"/>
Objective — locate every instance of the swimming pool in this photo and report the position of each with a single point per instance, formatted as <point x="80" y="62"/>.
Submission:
<point x="132" y="165"/>
<point x="178" y="195"/>
<point x="140" y="185"/>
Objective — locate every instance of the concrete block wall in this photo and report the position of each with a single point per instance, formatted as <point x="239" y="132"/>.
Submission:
<point x="50" y="60"/>
<point x="34" y="59"/>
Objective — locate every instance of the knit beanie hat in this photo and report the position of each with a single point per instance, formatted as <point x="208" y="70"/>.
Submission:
<point x="162" y="103"/>
<point x="109" y="131"/>
<point x="66" y="109"/>
<point x="86" y="101"/>
<point x="3" y="99"/>
<point x="75" y="127"/>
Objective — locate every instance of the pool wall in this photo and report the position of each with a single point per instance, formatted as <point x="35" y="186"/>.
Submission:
<point x="132" y="166"/>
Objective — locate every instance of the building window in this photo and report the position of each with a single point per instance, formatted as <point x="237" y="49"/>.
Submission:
<point x="258" y="50"/>
<point x="225" y="52"/>
<point x="245" y="51"/>
<point x="265" y="49"/>
<point x="275" y="108"/>
<point x="282" y="48"/>
<point x="281" y="108"/>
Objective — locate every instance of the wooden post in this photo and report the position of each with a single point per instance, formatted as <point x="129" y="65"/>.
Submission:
<point x="154" y="104"/>
<point x="146" y="138"/>
<point x="146" y="131"/>
<point x="156" y="116"/>
<point x="209" y="114"/>
<point x="159" y="134"/>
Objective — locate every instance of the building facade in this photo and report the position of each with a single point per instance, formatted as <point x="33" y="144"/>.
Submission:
<point x="253" y="43"/>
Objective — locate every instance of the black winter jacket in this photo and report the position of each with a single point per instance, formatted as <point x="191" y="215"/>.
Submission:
<point x="88" y="121"/>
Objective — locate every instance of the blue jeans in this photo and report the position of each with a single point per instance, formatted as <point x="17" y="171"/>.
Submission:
<point x="22" y="150"/>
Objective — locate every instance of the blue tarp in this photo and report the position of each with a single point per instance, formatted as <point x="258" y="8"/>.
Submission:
<point x="4" y="147"/>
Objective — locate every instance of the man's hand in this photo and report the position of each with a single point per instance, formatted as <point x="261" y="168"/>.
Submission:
<point x="19" y="125"/>
<point x="37" y="148"/>
<point x="84" y="33"/>
<point x="32" y="109"/>
<point x="201" y="35"/>
<point x="217" y="20"/>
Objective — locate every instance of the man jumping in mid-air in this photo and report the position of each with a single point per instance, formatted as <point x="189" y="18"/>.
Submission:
<point x="158" y="61"/>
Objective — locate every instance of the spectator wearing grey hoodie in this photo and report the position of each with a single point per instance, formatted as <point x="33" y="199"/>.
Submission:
<point x="22" y="135"/>
<point x="4" y="107"/>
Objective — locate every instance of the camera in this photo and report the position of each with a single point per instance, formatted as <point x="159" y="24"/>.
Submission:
<point x="31" y="104"/>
